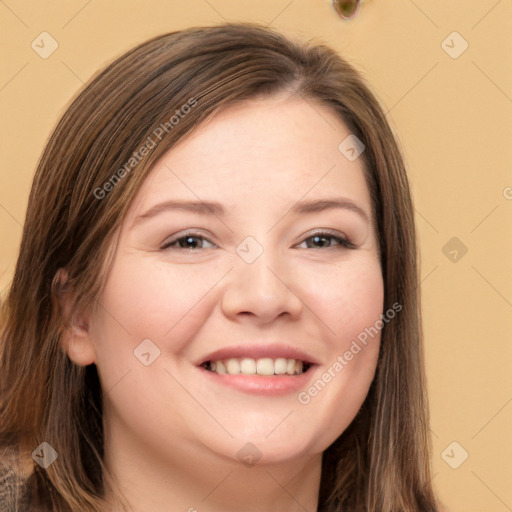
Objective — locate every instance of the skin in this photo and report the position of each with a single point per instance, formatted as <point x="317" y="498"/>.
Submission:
<point x="172" y="438"/>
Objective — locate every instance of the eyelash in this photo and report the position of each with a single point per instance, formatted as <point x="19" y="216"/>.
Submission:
<point x="344" y="242"/>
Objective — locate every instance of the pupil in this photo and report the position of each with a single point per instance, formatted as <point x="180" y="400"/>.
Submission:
<point x="189" y="240"/>
<point x="318" y="238"/>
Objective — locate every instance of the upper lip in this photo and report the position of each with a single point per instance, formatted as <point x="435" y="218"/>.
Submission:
<point x="273" y="351"/>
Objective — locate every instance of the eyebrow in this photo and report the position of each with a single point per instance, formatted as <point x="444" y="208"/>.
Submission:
<point x="215" y="208"/>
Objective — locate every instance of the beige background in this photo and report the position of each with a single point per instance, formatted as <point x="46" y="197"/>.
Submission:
<point x="453" y="117"/>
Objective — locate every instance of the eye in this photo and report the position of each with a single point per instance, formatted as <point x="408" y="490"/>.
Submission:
<point x="323" y="238"/>
<point x="187" y="241"/>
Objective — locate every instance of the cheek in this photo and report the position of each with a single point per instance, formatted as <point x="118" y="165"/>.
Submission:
<point x="148" y="299"/>
<point x="144" y="300"/>
<point x="346" y="297"/>
<point x="349" y="301"/>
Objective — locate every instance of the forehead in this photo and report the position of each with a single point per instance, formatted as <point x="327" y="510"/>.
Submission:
<point x="271" y="151"/>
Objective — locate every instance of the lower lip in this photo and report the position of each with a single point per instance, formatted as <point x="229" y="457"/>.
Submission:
<point x="276" y="385"/>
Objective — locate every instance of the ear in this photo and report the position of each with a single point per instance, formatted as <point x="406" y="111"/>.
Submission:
<point x="76" y="339"/>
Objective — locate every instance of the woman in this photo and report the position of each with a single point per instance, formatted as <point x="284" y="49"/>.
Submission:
<point x="216" y="304"/>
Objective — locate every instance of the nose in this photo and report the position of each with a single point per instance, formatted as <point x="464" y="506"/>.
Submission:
<point x="264" y="290"/>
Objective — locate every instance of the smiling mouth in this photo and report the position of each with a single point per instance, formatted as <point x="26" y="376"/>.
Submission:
<point x="265" y="366"/>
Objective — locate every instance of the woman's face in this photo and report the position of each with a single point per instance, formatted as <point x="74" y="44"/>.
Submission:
<point x="263" y="276"/>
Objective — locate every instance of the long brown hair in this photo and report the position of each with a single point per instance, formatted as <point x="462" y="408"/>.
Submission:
<point x="85" y="181"/>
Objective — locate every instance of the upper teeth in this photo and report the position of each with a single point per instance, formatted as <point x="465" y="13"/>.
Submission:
<point x="263" y="366"/>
